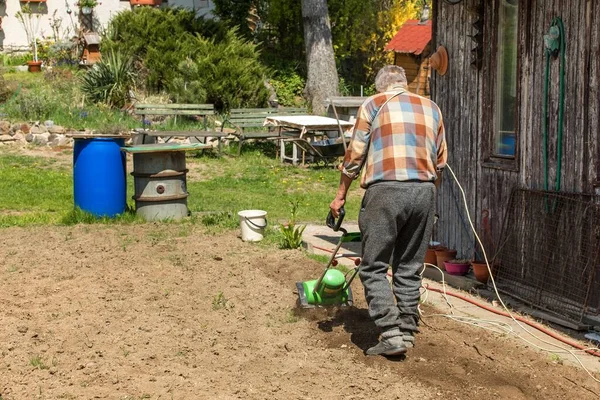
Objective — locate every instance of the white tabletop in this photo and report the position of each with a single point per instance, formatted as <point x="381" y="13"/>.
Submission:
<point x="306" y="123"/>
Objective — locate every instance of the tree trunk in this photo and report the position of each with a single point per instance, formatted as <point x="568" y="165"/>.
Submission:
<point x="322" y="81"/>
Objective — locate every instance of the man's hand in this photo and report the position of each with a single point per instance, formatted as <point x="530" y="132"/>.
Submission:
<point x="336" y="205"/>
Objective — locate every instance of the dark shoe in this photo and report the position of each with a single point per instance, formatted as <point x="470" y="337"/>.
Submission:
<point x="392" y="346"/>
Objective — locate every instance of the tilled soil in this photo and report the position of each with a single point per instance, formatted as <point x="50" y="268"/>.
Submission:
<point x="167" y="311"/>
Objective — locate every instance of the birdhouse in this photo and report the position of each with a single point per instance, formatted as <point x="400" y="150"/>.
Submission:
<point x="91" y="50"/>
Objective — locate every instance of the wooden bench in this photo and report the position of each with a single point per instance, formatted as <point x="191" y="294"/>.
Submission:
<point x="194" y="110"/>
<point x="202" y="110"/>
<point x="248" y="122"/>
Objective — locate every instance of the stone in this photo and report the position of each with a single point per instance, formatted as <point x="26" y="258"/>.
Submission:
<point x="4" y="127"/>
<point x="57" y="129"/>
<point x="25" y="128"/>
<point x="38" y="129"/>
<point x="19" y="137"/>
<point x="59" y="140"/>
<point x="29" y="137"/>
<point x="6" y="138"/>
<point x="15" y="127"/>
<point x="40" y="139"/>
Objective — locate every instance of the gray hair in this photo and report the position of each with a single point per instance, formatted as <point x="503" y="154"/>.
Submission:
<point x="389" y="75"/>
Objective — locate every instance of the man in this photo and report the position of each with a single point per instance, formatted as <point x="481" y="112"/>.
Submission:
<point x="399" y="144"/>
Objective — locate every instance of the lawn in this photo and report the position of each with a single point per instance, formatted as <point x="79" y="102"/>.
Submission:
<point x="38" y="190"/>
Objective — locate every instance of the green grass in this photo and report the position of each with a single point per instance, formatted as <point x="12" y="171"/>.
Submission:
<point x="39" y="191"/>
<point x="255" y="181"/>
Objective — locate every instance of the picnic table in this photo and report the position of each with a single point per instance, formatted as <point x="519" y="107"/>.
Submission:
<point x="301" y="131"/>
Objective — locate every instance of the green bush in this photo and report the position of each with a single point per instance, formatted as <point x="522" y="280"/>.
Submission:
<point x="159" y="39"/>
<point x="35" y="104"/>
<point x="227" y="74"/>
<point x="110" y="80"/>
<point x="289" y="86"/>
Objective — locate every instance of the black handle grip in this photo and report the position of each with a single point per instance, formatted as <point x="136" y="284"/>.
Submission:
<point x="331" y="220"/>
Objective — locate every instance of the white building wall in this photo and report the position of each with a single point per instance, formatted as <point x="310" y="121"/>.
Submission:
<point x="13" y="36"/>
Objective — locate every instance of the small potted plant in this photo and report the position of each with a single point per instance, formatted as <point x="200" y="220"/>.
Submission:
<point x="86" y="6"/>
<point x="457" y="266"/>
<point x="480" y="270"/>
<point x="31" y="23"/>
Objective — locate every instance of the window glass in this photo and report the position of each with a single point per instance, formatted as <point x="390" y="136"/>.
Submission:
<point x="506" y="79"/>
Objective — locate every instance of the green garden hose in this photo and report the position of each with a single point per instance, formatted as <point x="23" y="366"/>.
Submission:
<point x="554" y="42"/>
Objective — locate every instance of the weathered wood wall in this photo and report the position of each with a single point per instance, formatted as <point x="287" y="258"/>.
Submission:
<point x="466" y="98"/>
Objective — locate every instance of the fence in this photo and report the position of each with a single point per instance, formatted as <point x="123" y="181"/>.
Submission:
<point x="549" y="252"/>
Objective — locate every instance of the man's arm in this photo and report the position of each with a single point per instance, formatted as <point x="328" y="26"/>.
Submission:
<point x="340" y="197"/>
<point x="353" y="159"/>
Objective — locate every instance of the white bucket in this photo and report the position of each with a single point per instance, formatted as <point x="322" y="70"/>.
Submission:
<point x="253" y="224"/>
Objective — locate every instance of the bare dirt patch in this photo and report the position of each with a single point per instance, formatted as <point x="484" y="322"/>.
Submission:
<point x="171" y="312"/>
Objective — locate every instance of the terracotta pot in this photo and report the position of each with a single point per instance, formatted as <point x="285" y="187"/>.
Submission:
<point x="480" y="270"/>
<point x="430" y="256"/>
<point x="34" y="66"/>
<point x="444" y="255"/>
<point x="145" y="2"/>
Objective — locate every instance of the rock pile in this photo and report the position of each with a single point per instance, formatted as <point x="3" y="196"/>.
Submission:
<point x="37" y="134"/>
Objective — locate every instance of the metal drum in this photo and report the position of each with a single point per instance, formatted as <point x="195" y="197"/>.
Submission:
<point x="160" y="185"/>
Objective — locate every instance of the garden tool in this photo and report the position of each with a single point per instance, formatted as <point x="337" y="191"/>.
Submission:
<point x="332" y="288"/>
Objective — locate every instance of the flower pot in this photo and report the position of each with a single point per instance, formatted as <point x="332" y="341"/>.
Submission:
<point x="86" y="10"/>
<point x="430" y="257"/>
<point x="480" y="270"/>
<point x="454" y="268"/>
<point x="34" y="66"/>
<point x="145" y="2"/>
<point x="444" y="255"/>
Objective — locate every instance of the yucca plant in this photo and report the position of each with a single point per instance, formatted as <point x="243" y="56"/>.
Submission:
<point x="292" y="234"/>
<point x="110" y="80"/>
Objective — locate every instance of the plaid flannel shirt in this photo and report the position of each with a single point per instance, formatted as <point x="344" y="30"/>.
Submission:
<point x="407" y="138"/>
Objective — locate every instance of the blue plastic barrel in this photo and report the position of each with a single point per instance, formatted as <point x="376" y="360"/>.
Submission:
<point x="99" y="180"/>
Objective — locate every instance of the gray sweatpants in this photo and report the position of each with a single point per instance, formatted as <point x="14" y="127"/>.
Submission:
<point x="396" y="221"/>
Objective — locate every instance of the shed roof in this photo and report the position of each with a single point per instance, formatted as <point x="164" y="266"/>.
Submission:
<point x="91" y="38"/>
<point x="412" y="37"/>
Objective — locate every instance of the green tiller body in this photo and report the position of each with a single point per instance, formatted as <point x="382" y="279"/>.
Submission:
<point x="332" y="288"/>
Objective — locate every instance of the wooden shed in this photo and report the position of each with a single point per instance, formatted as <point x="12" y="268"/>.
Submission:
<point x="91" y="49"/>
<point x="521" y="105"/>
<point x="411" y="47"/>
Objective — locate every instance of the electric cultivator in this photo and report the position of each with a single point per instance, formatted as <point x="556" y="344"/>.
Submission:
<point x="332" y="288"/>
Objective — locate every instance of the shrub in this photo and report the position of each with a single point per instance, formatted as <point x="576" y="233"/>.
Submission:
<point x="289" y="86"/>
<point x="63" y="53"/>
<point x="158" y="38"/>
<point x="35" y="104"/>
<point x="110" y="80"/>
<point x="227" y="74"/>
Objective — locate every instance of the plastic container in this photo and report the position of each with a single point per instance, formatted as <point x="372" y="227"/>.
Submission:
<point x="456" y="269"/>
<point x="99" y="180"/>
<point x="253" y="224"/>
